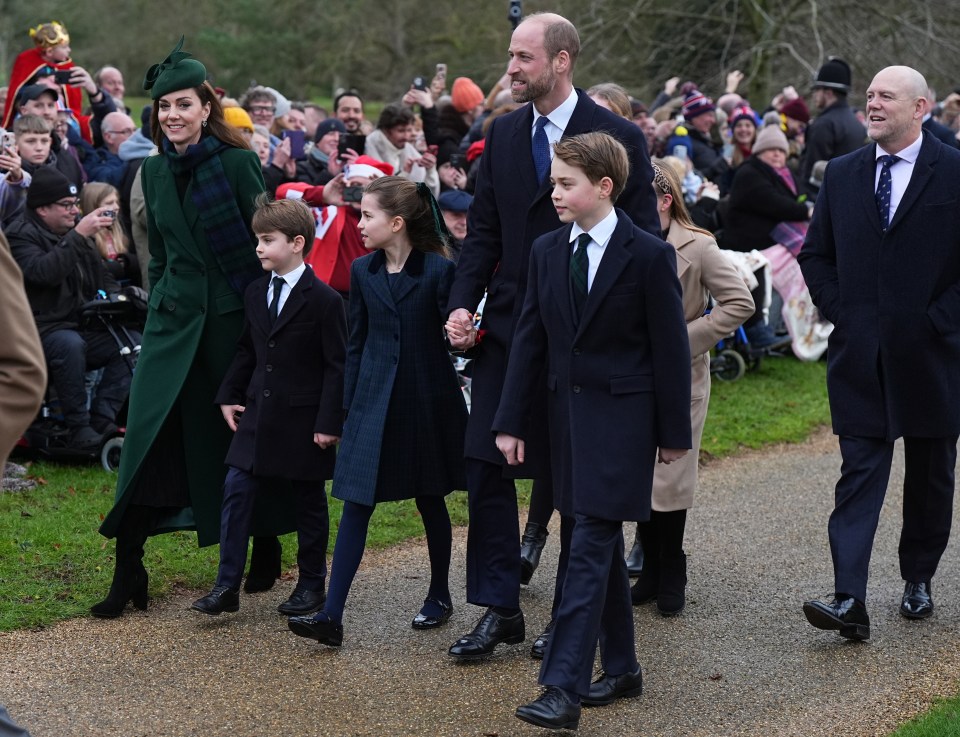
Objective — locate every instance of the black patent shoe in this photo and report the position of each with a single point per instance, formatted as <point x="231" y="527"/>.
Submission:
<point x="531" y="546"/>
<point x="264" y="565"/>
<point x="552" y="710"/>
<point x="220" y="599"/>
<point x="317" y="627"/>
<point x="917" y="602"/>
<point x="490" y="631"/>
<point x="844" y="613"/>
<point x="539" y="647"/>
<point x="635" y="560"/>
<point x="430" y="621"/>
<point x="607" y="689"/>
<point x="303" y="601"/>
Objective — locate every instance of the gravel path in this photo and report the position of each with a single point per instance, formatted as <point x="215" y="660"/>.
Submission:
<point x="741" y="660"/>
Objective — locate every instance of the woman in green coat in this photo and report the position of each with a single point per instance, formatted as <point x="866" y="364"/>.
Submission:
<point x="199" y="194"/>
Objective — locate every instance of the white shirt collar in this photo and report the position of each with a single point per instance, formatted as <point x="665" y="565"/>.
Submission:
<point x="292" y="277"/>
<point x="910" y="153"/>
<point x="599" y="233"/>
<point x="562" y="114"/>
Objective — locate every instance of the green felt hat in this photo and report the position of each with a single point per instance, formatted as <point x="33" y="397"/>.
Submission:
<point x="177" y="72"/>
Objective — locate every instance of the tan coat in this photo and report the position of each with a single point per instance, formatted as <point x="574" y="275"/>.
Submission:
<point x="23" y="371"/>
<point x="703" y="270"/>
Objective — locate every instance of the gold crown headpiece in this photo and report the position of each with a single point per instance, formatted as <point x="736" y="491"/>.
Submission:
<point x="48" y="35"/>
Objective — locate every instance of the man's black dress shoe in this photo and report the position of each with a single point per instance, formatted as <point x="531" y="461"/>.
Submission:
<point x="607" y="689"/>
<point x="635" y="559"/>
<point x="844" y="613"/>
<point x="552" y="710"/>
<point x="303" y="601"/>
<point x="322" y="630"/>
<point x="531" y="546"/>
<point x="429" y="621"/>
<point x="221" y="599"/>
<point x="539" y="647"/>
<point x="917" y="600"/>
<point x="265" y="565"/>
<point x="491" y="630"/>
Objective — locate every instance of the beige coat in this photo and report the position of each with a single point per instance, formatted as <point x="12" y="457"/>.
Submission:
<point x="23" y="371"/>
<point x="703" y="270"/>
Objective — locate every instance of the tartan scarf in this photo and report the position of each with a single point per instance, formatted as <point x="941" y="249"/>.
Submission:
<point x="228" y="235"/>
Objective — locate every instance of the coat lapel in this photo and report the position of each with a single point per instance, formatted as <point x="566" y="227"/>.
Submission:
<point x="177" y="218"/>
<point x="557" y="260"/>
<point x="680" y="238"/>
<point x="522" y="150"/>
<point x="615" y="259"/>
<point x="922" y="171"/>
<point x="260" y="316"/>
<point x="295" y="300"/>
<point x="378" y="280"/>
<point x="866" y="171"/>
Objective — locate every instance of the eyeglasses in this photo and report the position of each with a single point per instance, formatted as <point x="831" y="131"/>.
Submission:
<point x="262" y="109"/>
<point x="68" y="204"/>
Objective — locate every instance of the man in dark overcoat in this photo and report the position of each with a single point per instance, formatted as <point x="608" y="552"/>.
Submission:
<point x="882" y="261"/>
<point x="511" y="208"/>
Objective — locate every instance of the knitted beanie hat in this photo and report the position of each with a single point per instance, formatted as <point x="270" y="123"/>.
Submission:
<point x="770" y="138"/>
<point x="465" y="95"/>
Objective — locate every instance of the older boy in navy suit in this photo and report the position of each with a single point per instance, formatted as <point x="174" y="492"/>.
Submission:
<point x="603" y="313"/>
<point x="283" y="397"/>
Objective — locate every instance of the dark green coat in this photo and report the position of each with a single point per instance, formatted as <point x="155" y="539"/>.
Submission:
<point x="193" y="322"/>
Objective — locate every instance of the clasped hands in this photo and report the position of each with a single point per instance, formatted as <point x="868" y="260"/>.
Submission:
<point x="460" y="329"/>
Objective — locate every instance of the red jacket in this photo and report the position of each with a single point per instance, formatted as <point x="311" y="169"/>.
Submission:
<point x="27" y="64"/>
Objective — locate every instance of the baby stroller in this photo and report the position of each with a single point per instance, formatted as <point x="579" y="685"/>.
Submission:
<point x="47" y="438"/>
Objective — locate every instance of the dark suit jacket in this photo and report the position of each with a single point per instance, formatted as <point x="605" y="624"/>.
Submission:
<point x="510" y="210"/>
<point x="289" y="375"/>
<point x="834" y="132"/>
<point x="942" y="133"/>
<point x="405" y="411"/>
<point x="894" y="355"/>
<point x="618" y="383"/>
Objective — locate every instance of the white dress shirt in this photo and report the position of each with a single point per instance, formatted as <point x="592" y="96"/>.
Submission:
<point x="558" y="120"/>
<point x="599" y="238"/>
<point x="900" y="172"/>
<point x="289" y="279"/>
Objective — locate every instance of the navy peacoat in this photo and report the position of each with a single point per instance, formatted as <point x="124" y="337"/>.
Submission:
<point x="406" y="415"/>
<point x="510" y="210"/>
<point x="618" y="383"/>
<point x="289" y="377"/>
<point x="894" y="297"/>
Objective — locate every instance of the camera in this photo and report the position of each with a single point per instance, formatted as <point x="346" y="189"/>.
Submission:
<point x="458" y="161"/>
<point x="109" y="214"/>
<point x="62" y="76"/>
<point x="515" y="12"/>
<point x="352" y="194"/>
<point x="419" y="83"/>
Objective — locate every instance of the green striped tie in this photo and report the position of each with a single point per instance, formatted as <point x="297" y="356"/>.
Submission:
<point x="579" y="266"/>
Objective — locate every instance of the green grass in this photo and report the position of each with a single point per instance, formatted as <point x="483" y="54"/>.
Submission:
<point x="54" y="564"/>
<point x="943" y="720"/>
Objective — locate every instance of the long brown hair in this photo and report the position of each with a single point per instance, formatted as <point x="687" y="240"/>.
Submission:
<point x="666" y="180"/>
<point x="216" y="125"/>
<point x="400" y="197"/>
<point x="91" y="197"/>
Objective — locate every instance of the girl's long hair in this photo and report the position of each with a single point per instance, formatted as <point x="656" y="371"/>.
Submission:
<point x="92" y="196"/>
<point x="400" y="197"/>
<point x="666" y="180"/>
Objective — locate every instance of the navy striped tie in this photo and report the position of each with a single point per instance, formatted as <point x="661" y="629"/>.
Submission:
<point x="579" y="266"/>
<point x="883" y="189"/>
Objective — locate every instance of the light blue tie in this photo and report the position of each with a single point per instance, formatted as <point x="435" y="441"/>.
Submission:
<point x="541" y="149"/>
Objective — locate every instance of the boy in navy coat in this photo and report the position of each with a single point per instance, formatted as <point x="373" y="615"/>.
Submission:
<point x="283" y="397"/>
<point x="603" y="314"/>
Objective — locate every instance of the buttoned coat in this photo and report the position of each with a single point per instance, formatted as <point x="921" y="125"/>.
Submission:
<point x="703" y="271"/>
<point x="617" y="381"/>
<point x="406" y="415"/>
<point x="894" y="297"/>
<point x="193" y="322"/>
<point x="510" y="210"/>
<point x="289" y="377"/>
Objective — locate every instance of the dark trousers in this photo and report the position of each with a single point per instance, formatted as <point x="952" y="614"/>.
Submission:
<point x="594" y="606"/>
<point x="313" y="528"/>
<point x="70" y="354"/>
<point x="493" y="538"/>
<point x="927" y="507"/>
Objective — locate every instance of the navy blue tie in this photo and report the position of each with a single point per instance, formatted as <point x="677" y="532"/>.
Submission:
<point x="274" y="309"/>
<point x="541" y="149"/>
<point x="883" y="189"/>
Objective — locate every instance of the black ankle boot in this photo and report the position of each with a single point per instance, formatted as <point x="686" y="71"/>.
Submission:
<point x="671" y="598"/>
<point x="264" y="565"/>
<point x="531" y="546"/>
<point x="635" y="558"/>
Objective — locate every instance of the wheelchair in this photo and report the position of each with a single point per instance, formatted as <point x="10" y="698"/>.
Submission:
<point x="48" y="438"/>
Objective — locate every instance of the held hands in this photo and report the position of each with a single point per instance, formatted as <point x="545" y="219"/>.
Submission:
<point x="512" y="448"/>
<point x="461" y="332"/>
<point x="669" y="455"/>
<point x="325" y="441"/>
<point x="231" y="413"/>
<point x="94" y="221"/>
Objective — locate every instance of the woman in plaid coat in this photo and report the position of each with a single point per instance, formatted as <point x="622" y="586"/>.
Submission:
<point x="406" y="417"/>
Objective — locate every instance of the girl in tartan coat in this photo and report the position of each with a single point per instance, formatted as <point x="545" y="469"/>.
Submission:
<point x="403" y="436"/>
